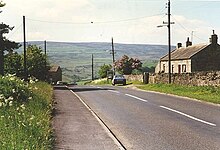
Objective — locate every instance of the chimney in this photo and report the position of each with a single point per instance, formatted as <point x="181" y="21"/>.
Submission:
<point x="214" y="38"/>
<point x="179" y="45"/>
<point x="188" y="43"/>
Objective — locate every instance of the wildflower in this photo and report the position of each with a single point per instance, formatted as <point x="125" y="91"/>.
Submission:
<point x="29" y="98"/>
<point x="6" y="101"/>
<point x="10" y="103"/>
<point x="1" y="104"/>
<point x="10" y="98"/>
<point x="32" y="117"/>
<point x="22" y="106"/>
<point x="1" y="96"/>
<point x="2" y="116"/>
<point x="13" y="91"/>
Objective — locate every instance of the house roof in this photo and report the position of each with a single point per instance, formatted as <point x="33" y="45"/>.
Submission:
<point x="54" y="68"/>
<point x="185" y="52"/>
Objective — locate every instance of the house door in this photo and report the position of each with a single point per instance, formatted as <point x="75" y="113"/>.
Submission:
<point x="179" y="68"/>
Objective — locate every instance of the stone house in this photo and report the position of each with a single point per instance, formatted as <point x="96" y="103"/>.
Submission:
<point x="55" y="74"/>
<point x="192" y="58"/>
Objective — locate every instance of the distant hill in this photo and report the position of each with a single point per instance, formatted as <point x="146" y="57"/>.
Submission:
<point x="75" y="58"/>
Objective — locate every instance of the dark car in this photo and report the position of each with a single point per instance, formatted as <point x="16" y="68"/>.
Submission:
<point x="118" y="79"/>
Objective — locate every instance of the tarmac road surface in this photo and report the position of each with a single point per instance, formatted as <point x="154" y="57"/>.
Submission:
<point x="151" y="121"/>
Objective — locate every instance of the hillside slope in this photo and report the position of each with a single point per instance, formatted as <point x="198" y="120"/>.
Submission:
<point x="75" y="58"/>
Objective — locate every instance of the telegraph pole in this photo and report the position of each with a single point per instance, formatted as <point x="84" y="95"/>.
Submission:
<point x="45" y="51"/>
<point x="169" y="43"/>
<point x="113" y="56"/>
<point x="25" y="55"/>
<point x="1" y="55"/>
<point x="92" y="68"/>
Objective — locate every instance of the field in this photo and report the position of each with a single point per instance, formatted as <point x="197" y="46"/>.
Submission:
<point x="75" y="59"/>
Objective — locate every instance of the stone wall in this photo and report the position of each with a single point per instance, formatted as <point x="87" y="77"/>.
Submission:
<point x="134" y="77"/>
<point x="197" y="79"/>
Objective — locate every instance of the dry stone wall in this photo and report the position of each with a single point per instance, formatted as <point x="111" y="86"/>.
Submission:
<point x="197" y="79"/>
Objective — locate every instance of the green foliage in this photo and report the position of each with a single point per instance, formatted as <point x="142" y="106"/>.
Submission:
<point x="25" y="110"/>
<point x="36" y="62"/>
<point x="5" y="44"/>
<point x="104" y="69"/>
<point x="205" y="93"/>
<point x="2" y="4"/>
<point x="13" y="64"/>
<point x="125" y="65"/>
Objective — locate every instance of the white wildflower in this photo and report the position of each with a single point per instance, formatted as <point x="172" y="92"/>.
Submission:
<point x="22" y="106"/>
<point x="2" y="96"/>
<point x="32" y="117"/>
<point x="29" y="98"/>
<point x="10" y="103"/>
<point x="6" y="101"/>
<point x="10" y="98"/>
<point x="13" y="91"/>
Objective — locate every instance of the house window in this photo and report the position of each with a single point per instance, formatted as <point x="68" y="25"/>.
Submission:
<point x="179" y="68"/>
<point x="164" y="67"/>
<point x="172" y="68"/>
<point x="183" y="68"/>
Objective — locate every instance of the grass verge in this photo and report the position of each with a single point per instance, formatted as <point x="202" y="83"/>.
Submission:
<point x="204" y="93"/>
<point x="25" y="114"/>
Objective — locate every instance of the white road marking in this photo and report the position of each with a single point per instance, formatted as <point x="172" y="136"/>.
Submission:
<point x="191" y="117"/>
<point x="102" y="123"/>
<point x="136" y="97"/>
<point x="114" y="91"/>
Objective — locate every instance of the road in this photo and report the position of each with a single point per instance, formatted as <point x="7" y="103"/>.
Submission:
<point x="151" y="121"/>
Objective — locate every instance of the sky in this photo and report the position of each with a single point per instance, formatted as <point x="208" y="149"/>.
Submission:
<point x="127" y="21"/>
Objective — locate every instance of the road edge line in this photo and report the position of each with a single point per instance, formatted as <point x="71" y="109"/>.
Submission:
<point x="102" y="123"/>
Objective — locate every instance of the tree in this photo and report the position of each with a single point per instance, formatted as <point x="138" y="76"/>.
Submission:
<point x="103" y="70"/>
<point x="125" y="65"/>
<point x="5" y="44"/>
<point x="36" y="62"/>
<point x="13" y="64"/>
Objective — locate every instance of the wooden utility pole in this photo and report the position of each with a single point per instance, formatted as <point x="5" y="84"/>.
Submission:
<point x="25" y="55"/>
<point x="45" y="51"/>
<point x="169" y="43"/>
<point x="113" y="56"/>
<point x="92" y="68"/>
<point x="1" y="55"/>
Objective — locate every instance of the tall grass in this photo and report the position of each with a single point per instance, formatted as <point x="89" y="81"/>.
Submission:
<point x="205" y="93"/>
<point x="25" y="112"/>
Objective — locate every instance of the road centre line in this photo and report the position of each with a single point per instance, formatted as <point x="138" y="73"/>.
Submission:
<point x="114" y="91"/>
<point x="188" y="116"/>
<point x="136" y="97"/>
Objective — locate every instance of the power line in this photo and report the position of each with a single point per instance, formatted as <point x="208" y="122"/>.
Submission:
<point x="98" y="22"/>
<point x="12" y="33"/>
<point x="188" y="31"/>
